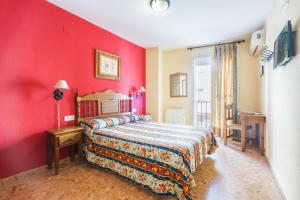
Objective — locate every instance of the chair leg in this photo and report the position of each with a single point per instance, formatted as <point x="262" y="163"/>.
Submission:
<point x="225" y="136"/>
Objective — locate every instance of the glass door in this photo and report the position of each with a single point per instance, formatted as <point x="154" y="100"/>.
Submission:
<point x="202" y="94"/>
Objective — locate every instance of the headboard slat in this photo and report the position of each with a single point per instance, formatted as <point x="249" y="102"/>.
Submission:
<point x="83" y="106"/>
<point x="92" y="107"/>
<point x="99" y="108"/>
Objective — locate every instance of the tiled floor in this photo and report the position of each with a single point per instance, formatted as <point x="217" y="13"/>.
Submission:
<point x="226" y="175"/>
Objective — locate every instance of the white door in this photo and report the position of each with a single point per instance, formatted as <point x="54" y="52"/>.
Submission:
<point x="202" y="94"/>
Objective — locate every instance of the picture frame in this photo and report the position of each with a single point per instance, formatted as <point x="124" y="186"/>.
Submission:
<point x="107" y="65"/>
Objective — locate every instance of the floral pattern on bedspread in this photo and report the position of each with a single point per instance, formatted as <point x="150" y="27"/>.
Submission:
<point x="156" y="156"/>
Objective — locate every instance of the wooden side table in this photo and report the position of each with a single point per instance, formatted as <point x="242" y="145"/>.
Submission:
<point x="253" y="118"/>
<point x="63" y="137"/>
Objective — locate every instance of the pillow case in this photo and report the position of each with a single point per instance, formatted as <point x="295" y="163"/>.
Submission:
<point x="109" y="121"/>
<point x="131" y="118"/>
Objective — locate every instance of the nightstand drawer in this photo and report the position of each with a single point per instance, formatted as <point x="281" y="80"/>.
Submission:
<point x="69" y="138"/>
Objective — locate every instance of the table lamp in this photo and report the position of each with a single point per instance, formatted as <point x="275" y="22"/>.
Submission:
<point x="58" y="95"/>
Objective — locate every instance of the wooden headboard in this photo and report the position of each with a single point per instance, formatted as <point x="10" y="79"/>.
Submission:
<point x="102" y="104"/>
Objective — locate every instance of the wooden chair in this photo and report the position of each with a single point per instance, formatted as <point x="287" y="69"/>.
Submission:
<point x="228" y="111"/>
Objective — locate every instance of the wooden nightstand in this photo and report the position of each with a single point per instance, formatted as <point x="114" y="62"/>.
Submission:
<point x="63" y="137"/>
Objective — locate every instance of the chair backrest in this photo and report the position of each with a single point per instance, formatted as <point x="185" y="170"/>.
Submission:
<point x="228" y="111"/>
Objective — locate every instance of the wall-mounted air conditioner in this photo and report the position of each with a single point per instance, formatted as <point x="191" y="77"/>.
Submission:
<point x="257" y="42"/>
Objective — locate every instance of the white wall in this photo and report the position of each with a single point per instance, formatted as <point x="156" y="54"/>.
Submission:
<point x="153" y="83"/>
<point x="280" y="101"/>
<point x="248" y="79"/>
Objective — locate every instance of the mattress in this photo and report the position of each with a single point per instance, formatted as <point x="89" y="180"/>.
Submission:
<point x="157" y="156"/>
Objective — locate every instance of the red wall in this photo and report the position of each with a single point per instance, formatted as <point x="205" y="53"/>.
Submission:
<point x="40" y="44"/>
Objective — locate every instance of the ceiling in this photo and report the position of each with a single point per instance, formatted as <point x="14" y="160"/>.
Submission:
<point x="186" y="23"/>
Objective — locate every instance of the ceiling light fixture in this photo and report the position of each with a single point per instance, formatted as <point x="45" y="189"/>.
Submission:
<point x="160" y="5"/>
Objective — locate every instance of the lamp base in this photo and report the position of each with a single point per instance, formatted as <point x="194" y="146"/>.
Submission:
<point x="58" y="115"/>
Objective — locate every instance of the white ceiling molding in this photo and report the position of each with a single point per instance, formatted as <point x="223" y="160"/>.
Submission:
<point x="185" y="23"/>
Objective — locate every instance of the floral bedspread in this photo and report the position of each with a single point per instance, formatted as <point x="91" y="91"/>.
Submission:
<point x="159" y="157"/>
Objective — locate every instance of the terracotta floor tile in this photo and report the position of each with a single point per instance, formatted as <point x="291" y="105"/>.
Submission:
<point x="228" y="174"/>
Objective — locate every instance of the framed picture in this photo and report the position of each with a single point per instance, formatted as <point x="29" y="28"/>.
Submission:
<point x="107" y="66"/>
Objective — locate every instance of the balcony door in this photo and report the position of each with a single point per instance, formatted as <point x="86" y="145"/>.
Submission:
<point x="202" y="92"/>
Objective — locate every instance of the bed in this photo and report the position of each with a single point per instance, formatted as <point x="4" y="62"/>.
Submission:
<point x="157" y="156"/>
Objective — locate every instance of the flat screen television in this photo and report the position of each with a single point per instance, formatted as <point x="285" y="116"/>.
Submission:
<point x="284" y="47"/>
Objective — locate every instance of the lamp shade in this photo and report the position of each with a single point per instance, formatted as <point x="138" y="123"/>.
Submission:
<point x="61" y="84"/>
<point x="142" y="89"/>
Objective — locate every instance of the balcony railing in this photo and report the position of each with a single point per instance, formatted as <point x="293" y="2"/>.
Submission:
<point x="203" y="113"/>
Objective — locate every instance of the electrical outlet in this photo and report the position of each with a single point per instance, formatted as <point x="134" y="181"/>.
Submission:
<point x="69" y="118"/>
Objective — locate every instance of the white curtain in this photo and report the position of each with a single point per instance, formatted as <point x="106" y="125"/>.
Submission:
<point x="224" y="84"/>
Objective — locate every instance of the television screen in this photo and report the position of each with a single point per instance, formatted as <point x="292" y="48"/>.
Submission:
<point x="284" y="46"/>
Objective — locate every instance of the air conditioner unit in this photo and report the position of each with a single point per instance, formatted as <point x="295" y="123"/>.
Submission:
<point x="257" y="42"/>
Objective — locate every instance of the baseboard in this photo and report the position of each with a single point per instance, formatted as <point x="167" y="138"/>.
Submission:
<point x="15" y="177"/>
<point x="274" y="177"/>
